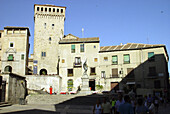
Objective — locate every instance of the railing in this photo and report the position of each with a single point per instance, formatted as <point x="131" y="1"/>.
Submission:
<point x="114" y="76"/>
<point x="77" y="64"/>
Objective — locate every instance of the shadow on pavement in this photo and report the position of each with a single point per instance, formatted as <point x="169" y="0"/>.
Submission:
<point x="33" y="111"/>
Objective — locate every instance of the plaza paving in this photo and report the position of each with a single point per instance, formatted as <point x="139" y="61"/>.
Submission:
<point x="60" y="104"/>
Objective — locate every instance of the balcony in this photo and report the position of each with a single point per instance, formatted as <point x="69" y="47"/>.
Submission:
<point x="92" y="73"/>
<point x="77" y="64"/>
<point x="153" y="75"/>
<point x="114" y="76"/>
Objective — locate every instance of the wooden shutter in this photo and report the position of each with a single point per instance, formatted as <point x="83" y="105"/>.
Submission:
<point x="115" y="72"/>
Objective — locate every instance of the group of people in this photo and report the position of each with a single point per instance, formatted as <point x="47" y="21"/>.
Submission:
<point x="129" y="105"/>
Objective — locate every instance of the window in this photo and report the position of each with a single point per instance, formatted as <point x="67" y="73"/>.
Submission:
<point x="95" y="59"/>
<point x="49" y="9"/>
<point x="61" y="10"/>
<point x="57" y="10"/>
<point x="43" y="54"/>
<point x="130" y="72"/>
<point x="49" y="38"/>
<point x="114" y="72"/>
<point x="53" y="9"/>
<point x="52" y="26"/>
<point x="103" y="75"/>
<point x="10" y="57"/>
<point x="70" y="72"/>
<point x="38" y="8"/>
<point x="151" y="56"/>
<point x="45" y="25"/>
<point x="157" y="84"/>
<point x="81" y="47"/>
<point x="105" y="58"/>
<point x="152" y="71"/>
<point x="41" y="9"/>
<point x="0" y="35"/>
<point x="77" y="60"/>
<point x="45" y="9"/>
<point x="94" y="46"/>
<point x="72" y="48"/>
<point x="70" y="84"/>
<point x="22" y="57"/>
<point x="63" y="60"/>
<point x="92" y="71"/>
<point x="126" y="58"/>
<point x="11" y="44"/>
<point x="114" y="60"/>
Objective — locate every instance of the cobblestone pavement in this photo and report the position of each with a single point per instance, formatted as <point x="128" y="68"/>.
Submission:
<point x="61" y="104"/>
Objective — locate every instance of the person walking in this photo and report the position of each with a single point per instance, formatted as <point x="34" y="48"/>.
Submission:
<point x="118" y="103"/>
<point x="141" y="108"/>
<point x="106" y="107"/>
<point x="113" y="102"/>
<point x="97" y="107"/>
<point x="126" y="108"/>
<point x="156" y="104"/>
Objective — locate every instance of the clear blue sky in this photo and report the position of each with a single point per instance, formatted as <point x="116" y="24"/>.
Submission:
<point x="113" y="21"/>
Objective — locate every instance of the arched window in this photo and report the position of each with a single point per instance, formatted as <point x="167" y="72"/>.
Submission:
<point x="43" y="72"/>
<point x="8" y="69"/>
<point x="70" y="84"/>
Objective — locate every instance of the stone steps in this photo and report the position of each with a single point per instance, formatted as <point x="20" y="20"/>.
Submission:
<point x="4" y="104"/>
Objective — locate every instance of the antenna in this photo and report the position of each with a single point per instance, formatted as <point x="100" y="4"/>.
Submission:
<point x="147" y="39"/>
<point x="82" y="30"/>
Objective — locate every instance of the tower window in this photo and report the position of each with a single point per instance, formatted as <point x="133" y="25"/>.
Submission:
<point x="38" y="8"/>
<point x="22" y="57"/>
<point x="41" y="9"/>
<point x="49" y="9"/>
<point x="57" y="10"/>
<point x="49" y="38"/>
<point x="11" y="44"/>
<point x="43" y="54"/>
<point x="53" y="9"/>
<point x="45" y="9"/>
<point x="52" y="26"/>
<point x="45" y="25"/>
<point x="61" y="10"/>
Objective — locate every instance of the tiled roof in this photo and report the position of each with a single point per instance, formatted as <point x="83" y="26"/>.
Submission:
<point x="128" y="46"/>
<point x="48" y="5"/>
<point x="75" y="39"/>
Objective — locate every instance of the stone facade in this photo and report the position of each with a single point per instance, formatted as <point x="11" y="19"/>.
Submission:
<point x="15" y="50"/>
<point x="58" y="59"/>
<point x="48" y="30"/>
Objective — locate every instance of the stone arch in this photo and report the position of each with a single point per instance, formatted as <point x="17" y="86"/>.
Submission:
<point x="43" y="72"/>
<point x="8" y="69"/>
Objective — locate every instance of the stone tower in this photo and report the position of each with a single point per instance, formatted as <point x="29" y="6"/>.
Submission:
<point x="48" y="30"/>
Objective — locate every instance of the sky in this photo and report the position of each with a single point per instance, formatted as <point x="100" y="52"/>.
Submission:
<point x="113" y="21"/>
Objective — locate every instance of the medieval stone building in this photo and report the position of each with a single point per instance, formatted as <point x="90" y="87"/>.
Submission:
<point x="58" y="59"/>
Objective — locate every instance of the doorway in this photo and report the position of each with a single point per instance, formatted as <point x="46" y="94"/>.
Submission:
<point x="92" y="84"/>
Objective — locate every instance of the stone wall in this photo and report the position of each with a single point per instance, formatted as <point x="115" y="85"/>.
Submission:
<point x="15" y="87"/>
<point x="38" y="82"/>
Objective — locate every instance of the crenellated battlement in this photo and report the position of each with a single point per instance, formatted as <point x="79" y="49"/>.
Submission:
<point x="49" y="10"/>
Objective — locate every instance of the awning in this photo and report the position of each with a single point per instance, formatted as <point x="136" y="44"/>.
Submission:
<point x="130" y="83"/>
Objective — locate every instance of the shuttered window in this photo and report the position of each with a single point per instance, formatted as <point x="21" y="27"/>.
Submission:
<point x="151" y="56"/>
<point x="130" y="72"/>
<point x="72" y="48"/>
<point x="114" y="59"/>
<point x="10" y="57"/>
<point x="115" y="72"/>
<point x="126" y="58"/>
